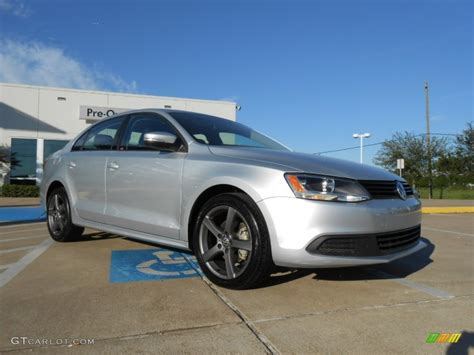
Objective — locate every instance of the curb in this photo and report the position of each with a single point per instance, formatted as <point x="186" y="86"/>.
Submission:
<point x="442" y="210"/>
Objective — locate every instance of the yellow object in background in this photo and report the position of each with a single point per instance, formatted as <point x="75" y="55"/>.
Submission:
<point x="459" y="209"/>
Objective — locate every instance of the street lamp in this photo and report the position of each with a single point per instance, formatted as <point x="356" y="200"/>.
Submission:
<point x="361" y="136"/>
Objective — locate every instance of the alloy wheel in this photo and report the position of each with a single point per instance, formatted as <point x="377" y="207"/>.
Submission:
<point x="225" y="242"/>
<point x="57" y="214"/>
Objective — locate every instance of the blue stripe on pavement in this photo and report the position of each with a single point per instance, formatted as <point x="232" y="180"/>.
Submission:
<point x="22" y="214"/>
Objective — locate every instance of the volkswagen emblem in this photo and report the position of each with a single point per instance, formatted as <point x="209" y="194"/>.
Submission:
<point x="401" y="191"/>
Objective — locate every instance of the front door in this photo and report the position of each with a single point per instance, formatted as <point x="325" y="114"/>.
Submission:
<point x="144" y="185"/>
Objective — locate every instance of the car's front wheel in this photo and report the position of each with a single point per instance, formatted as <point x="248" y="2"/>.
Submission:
<point x="231" y="242"/>
<point x="59" y="221"/>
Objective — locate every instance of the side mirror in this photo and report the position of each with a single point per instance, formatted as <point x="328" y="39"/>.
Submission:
<point x="160" y="141"/>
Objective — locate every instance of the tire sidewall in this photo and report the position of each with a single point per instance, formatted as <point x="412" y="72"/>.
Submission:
<point x="257" y="229"/>
<point x="63" y="236"/>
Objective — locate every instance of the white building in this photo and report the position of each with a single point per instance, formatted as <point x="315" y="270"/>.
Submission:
<point x="36" y="121"/>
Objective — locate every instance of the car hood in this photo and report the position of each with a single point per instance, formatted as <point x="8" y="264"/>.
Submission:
<point x="308" y="163"/>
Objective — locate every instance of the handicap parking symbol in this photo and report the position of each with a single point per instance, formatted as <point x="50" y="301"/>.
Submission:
<point x="151" y="264"/>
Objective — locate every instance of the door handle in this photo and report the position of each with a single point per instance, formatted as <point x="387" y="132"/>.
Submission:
<point x="113" y="166"/>
<point x="72" y="165"/>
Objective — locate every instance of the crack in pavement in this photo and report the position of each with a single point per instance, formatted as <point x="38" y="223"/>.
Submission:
<point x="272" y="349"/>
<point x="365" y="308"/>
<point x="211" y="326"/>
<point x="126" y="337"/>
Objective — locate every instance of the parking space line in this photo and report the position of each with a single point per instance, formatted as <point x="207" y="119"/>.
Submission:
<point x="363" y="308"/>
<point x="412" y="284"/>
<point x="6" y="251"/>
<point x="21" y="264"/>
<point x="11" y="226"/>
<point x="22" y="238"/>
<point x="21" y="231"/>
<point x="446" y="231"/>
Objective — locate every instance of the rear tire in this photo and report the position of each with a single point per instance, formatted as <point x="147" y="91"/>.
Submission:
<point x="59" y="222"/>
<point x="231" y="242"/>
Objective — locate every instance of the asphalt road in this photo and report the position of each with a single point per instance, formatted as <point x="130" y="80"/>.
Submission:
<point x="126" y="296"/>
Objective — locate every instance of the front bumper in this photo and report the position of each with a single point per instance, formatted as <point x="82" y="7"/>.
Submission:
<point x="296" y="224"/>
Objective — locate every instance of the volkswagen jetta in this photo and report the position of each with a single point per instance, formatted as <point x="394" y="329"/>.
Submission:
<point x="241" y="201"/>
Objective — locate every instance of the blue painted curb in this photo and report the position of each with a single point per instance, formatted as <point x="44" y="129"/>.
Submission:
<point x="10" y="215"/>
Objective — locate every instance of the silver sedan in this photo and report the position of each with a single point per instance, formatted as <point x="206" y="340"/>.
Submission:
<point x="242" y="202"/>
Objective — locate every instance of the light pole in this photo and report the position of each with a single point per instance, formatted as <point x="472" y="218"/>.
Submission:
<point x="361" y="136"/>
<point x="428" y="141"/>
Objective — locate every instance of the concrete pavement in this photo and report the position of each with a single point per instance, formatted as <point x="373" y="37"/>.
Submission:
<point x="65" y="293"/>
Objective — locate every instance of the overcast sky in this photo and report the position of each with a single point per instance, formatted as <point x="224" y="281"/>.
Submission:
<point x="309" y="73"/>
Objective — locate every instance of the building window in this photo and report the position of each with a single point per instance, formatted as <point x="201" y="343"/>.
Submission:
<point x="51" y="146"/>
<point x="24" y="154"/>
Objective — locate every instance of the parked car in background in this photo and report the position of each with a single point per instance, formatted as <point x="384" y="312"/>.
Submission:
<point x="241" y="201"/>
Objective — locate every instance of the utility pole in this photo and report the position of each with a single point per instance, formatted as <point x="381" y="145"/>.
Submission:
<point x="428" y="141"/>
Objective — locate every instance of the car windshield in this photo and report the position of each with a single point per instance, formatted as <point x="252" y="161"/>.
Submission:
<point x="218" y="131"/>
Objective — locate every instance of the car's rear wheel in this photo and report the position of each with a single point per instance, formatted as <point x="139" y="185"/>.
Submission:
<point x="59" y="221"/>
<point x="231" y="242"/>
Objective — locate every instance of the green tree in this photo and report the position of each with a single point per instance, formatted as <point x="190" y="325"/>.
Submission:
<point x="6" y="156"/>
<point x="456" y="166"/>
<point x="412" y="148"/>
<point x="464" y="152"/>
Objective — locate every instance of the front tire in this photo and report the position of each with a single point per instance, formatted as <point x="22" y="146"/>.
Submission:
<point x="231" y="242"/>
<point x="59" y="222"/>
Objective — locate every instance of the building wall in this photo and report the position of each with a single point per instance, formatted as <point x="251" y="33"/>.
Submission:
<point x="45" y="113"/>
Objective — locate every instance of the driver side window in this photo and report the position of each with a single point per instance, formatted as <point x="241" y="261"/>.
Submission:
<point x="139" y="125"/>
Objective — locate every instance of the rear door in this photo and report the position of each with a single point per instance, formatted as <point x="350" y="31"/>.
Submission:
<point x="144" y="185"/>
<point x="86" y="169"/>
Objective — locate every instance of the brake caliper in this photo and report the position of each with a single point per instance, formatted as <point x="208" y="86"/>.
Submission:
<point x="243" y="234"/>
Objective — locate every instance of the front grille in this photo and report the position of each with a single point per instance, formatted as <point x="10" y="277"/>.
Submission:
<point x="345" y="246"/>
<point x="380" y="189"/>
<point x="396" y="240"/>
<point x="408" y="188"/>
<point x="365" y="244"/>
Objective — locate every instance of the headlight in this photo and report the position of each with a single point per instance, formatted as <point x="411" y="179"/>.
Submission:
<point x="315" y="187"/>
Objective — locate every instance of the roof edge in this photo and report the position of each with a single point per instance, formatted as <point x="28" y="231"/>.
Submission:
<point x="117" y="93"/>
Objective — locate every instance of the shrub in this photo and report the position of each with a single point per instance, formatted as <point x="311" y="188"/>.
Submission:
<point x="20" y="191"/>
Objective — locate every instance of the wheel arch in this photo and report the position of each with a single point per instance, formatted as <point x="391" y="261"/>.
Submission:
<point x="52" y="186"/>
<point x="203" y="197"/>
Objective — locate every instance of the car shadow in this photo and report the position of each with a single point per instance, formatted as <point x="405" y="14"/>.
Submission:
<point x="87" y="237"/>
<point x="400" y="268"/>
